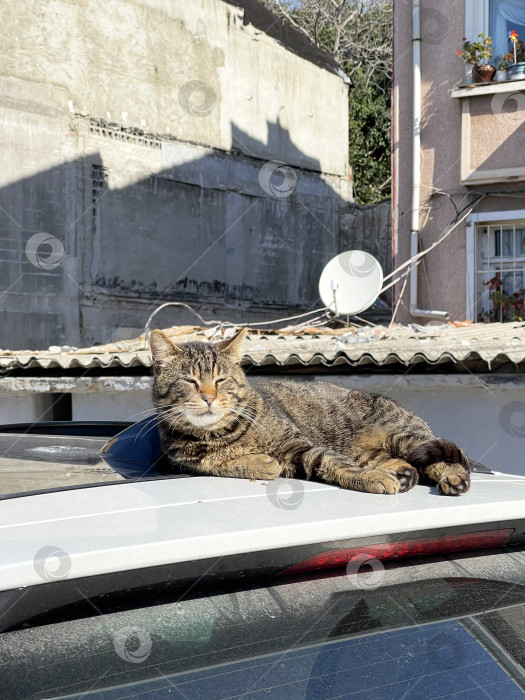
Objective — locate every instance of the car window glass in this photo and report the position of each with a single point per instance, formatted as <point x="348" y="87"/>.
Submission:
<point x="312" y="639"/>
<point x="34" y="462"/>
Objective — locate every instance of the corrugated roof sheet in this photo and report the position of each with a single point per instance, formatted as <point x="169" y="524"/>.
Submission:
<point x="377" y="346"/>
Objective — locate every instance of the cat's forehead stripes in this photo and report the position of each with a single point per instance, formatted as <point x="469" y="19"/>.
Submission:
<point x="204" y="361"/>
<point x="201" y="357"/>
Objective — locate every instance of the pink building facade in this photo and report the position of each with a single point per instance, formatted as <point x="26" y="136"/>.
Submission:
<point x="458" y="164"/>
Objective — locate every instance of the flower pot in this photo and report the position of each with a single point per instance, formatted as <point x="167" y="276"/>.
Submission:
<point x="483" y="74"/>
<point x="501" y="75"/>
<point x="468" y="80"/>
<point x="516" y="71"/>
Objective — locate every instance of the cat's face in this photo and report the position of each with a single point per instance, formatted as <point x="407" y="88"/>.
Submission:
<point x="197" y="385"/>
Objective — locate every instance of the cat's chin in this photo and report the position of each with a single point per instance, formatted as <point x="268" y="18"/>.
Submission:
<point x="206" y="421"/>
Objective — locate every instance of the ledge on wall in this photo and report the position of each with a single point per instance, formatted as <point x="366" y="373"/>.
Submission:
<point x="478" y="89"/>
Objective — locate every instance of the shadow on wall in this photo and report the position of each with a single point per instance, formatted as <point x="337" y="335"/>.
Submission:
<point x="278" y="141"/>
<point x="93" y="244"/>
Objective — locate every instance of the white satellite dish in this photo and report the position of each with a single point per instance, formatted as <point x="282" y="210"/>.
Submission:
<point x="350" y="282"/>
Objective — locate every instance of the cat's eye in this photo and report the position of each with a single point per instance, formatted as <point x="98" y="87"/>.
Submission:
<point x="190" y="380"/>
<point x="221" y="379"/>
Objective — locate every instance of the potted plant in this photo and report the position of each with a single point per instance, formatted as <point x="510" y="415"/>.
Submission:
<point x="505" y="306"/>
<point x="501" y="65"/>
<point x="516" y="58"/>
<point x="476" y="55"/>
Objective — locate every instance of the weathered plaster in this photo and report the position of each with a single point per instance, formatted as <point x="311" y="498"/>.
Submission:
<point x="494" y="141"/>
<point x="152" y="186"/>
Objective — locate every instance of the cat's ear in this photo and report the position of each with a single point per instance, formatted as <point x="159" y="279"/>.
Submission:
<point x="162" y="348"/>
<point x="233" y="347"/>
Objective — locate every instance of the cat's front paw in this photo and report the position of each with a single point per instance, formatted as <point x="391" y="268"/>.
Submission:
<point x="396" y="481"/>
<point x="253" y="466"/>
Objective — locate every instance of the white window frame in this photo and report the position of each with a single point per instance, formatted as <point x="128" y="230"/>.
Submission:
<point x="472" y="221"/>
<point x="476" y="18"/>
<point x="477" y="21"/>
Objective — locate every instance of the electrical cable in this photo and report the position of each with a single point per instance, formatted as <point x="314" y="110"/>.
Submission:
<point x="412" y="263"/>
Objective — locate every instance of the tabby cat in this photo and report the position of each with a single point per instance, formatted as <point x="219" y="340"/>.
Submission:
<point x="212" y="421"/>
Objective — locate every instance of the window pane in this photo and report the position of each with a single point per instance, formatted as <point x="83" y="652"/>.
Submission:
<point x="483" y="246"/>
<point x="505" y="15"/>
<point x="500" y="253"/>
<point x="303" y="640"/>
<point x="508" y="282"/>
<point x="519" y="284"/>
<point x="507" y="243"/>
<point x="497" y="243"/>
<point x="520" y="242"/>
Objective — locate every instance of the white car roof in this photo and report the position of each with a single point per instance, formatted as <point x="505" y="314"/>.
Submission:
<point x="133" y="525"/>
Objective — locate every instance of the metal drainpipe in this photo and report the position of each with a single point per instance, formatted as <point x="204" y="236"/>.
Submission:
<point x="416" y="163"/>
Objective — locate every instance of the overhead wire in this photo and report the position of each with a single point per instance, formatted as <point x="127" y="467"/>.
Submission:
<point x="462" y="213"/>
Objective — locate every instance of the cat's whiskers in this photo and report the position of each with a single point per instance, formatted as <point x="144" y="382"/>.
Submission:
<point x="151" y="421"/>
<point x="170" y="407"/>
<point x="236" y="418"/>
<point x="175" y="412"/>
<point x="148" y="431"/>
<point x="168" y="419"/>
<point x="147" y="410"/>
<point x="242" y="413"/>
<point x="255" y="410"/>
<point x="148" y="427"/>
<point x="165" y="415"/>
<point x="153" y="427"/>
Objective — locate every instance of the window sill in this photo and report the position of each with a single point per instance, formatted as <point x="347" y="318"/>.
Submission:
<point x="476" y="89"/>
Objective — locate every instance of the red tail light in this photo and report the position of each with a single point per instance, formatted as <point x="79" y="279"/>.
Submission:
<point x="424" y="546"/>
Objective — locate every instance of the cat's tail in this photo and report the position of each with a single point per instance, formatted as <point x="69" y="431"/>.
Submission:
<point x="439" y="461"/>
<point x="430" y="450"/>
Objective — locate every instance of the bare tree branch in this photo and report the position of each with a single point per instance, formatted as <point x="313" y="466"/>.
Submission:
<point x="357" y="33"/>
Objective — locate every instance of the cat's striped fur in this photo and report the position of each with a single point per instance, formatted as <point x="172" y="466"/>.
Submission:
<point x="212" y="421"/>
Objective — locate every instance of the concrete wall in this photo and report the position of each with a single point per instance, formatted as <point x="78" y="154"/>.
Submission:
<point x="482" y="413"/>
<point x="369" y="228"/>
<point x="442" y="277"/>
<point x="201" y="161"/>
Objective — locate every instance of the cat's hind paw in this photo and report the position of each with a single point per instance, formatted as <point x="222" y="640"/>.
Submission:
<point x="455" y="484"/>
<point x="451" y="479"/>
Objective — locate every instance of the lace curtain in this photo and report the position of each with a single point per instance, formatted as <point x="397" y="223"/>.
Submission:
<point x="506" y="15"/>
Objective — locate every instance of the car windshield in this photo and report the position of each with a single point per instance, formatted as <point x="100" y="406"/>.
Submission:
<point x="330" y="636"/>
<point x="30" y="463"/>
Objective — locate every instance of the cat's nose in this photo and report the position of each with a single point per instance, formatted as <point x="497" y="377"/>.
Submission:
<point x="209" y="398"/>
